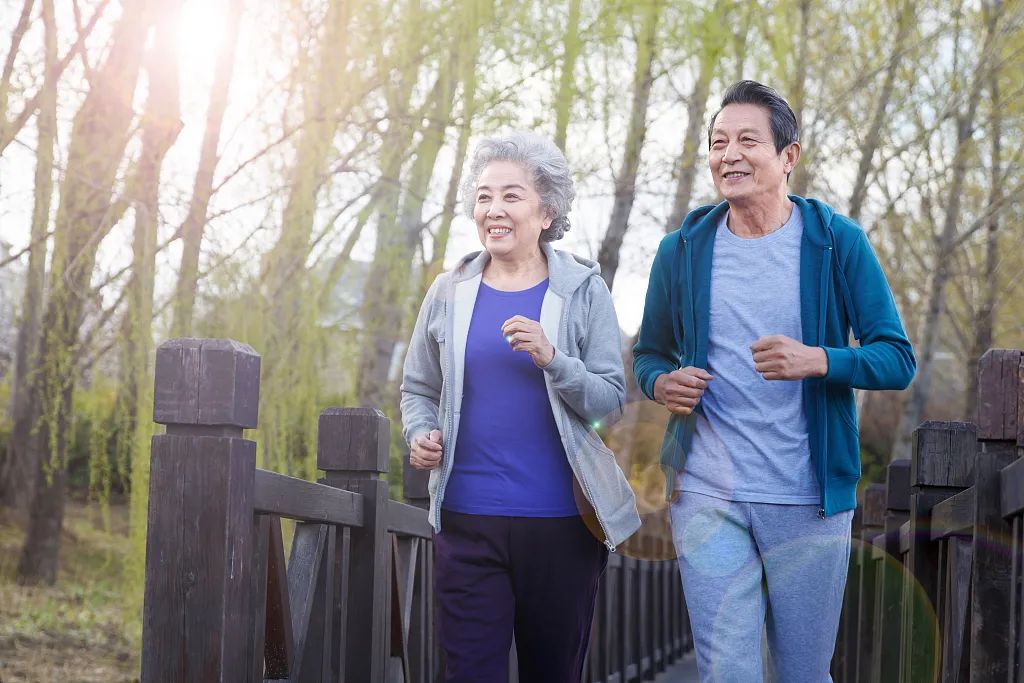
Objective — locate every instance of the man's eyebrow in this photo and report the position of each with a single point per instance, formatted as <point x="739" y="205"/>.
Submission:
<point x="741" y="131"/>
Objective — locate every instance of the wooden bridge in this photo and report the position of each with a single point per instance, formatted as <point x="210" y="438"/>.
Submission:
<point x="354" y="601"/>
<point x="934" y="593"/>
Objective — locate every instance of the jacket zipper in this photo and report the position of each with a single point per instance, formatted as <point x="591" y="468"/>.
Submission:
<point x="449" y="426"/>
<point x="564" y="331"/>
<point x="826" y="268"/>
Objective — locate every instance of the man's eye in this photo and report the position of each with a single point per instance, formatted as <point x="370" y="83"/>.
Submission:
<point x="717" y="143"/>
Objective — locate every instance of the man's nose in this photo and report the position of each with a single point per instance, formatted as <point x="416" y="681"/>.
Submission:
<point x="731" y="152"/>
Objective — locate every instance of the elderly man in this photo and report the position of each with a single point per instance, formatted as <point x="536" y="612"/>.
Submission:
<point x="745" y="340"/>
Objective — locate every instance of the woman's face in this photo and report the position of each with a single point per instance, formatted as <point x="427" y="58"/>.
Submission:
<point x="508" y="212"/>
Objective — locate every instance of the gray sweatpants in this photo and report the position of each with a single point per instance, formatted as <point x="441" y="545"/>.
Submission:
<point x="753" y="567"/>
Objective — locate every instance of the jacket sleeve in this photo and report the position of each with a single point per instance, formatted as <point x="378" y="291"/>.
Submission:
<point x="885" y="359"/>
<point x="422" y="378"/>
<point x="594" y="385"/>
<point x="656" y="351"/>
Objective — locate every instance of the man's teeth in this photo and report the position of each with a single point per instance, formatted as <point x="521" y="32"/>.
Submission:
<point x="735" y="174"/>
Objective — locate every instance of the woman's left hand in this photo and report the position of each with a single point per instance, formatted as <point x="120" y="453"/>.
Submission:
<point x="527" y="335"/>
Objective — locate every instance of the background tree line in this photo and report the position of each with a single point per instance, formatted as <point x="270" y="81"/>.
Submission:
<point x="297" y="189"/>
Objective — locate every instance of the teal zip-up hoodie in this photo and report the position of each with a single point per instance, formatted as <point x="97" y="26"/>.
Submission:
<point x="842" y="288"/>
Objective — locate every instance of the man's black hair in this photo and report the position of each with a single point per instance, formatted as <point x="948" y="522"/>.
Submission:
<point x="785" y="130"/>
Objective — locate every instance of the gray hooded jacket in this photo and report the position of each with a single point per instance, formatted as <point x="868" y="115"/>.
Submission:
<point x="585" y="380"/>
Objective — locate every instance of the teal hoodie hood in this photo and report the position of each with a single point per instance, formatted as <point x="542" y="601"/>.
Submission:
<point x="842" y="290"/>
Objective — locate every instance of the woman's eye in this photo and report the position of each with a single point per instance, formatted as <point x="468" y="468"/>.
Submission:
<point x="511" y="197"/>
<point x="482" y="198"/>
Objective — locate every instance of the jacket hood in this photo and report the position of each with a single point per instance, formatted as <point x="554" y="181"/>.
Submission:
<point x="566" y="271"/>
<point x="817" y="217"/>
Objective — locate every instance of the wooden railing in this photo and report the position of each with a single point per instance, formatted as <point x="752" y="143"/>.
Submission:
<point x="354" y="601"/>
<point x="934" y="591"/>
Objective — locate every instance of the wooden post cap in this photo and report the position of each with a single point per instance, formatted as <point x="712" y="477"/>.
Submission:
<point x="897" y="485"/>
<point x="944" y="454"/>
<point x="353" y="440"/>
<point x="1000" y="385"/>
<point x="206" y="382"/>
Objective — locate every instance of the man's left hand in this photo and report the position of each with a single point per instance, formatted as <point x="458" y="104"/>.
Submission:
<point x="780" y="357"/>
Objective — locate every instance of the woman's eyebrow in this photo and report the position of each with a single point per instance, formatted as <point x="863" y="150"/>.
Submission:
<point x="514" y="186"/>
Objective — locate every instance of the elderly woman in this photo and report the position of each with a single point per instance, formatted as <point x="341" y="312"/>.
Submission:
<point x="514" y="361"/>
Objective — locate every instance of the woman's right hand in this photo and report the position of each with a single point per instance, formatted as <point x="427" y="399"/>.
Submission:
<point x="425" y="451"/>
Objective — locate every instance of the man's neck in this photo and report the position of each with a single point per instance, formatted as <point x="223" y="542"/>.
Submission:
<point x="757" y="219"/>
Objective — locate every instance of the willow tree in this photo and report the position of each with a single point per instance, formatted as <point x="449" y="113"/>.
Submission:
<point x="566" y="92"/>
<point x="871" y="141"/>
<point x="291" y="347"/>
<point x="17" y="480"/>
<point x="947" y="239"/>
<point x="160" y="127"/>
<point x="710" y="36"/>
<point x="99" y="134"/>
<point x="646" y="38"/>
<point x="202" y="188"/>
<point x="400" y="207"/>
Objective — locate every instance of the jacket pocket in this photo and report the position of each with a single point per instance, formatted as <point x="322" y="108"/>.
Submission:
<point x="843" y="434"/>
<point x="610" y="489"/>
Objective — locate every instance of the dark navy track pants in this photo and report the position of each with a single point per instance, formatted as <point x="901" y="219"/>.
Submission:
<point x="534" y="576"/>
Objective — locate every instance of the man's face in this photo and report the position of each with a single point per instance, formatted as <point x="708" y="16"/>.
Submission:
<point x="744" y="164"/>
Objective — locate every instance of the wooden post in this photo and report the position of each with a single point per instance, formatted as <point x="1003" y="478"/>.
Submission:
<point x="942" y="465"/>
<point x="999" y="390"/>
<point x="352" y="450"/>
<point x="871" y="521"/>
<point x="889" y="577"/>
<point x="414" y="485"/>
<point x="844" y="656"/>
<point x="200" y="538"/>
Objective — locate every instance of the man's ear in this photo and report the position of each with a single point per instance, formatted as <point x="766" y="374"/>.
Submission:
<point x="791" y="157"/>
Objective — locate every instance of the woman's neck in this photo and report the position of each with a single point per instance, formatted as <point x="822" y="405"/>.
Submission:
<point x="515" y="273"/>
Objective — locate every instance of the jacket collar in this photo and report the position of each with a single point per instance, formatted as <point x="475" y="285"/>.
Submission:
<point x="817" y="217"/>
<point x="566" y="271"/>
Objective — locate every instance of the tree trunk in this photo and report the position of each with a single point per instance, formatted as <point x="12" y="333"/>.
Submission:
<point x="873" y="139"/>
<point x="625" y="182"/>
<point x="195" y="222"/>
<point x="385" y="306"/>
<point x="160" y="128"/>
<point x="567" y="80"/>
<point x="12" y="55"/>
<point x="98" y="138"/>
<point x="984" y="322"/>
<point x="945" y="244"/>
<point x="18" y="480"/>
<point x="288" y="408"/>
<point x="696" y="108"/>
<point x="801" y="174"/>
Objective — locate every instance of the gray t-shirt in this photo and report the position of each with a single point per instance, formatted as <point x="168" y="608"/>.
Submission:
<point x="751" y="444"/>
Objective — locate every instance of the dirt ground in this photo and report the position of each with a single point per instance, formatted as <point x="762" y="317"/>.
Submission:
<point x="75" y="630"/>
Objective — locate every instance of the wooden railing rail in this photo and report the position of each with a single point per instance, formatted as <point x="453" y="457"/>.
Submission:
<point x="354" y="601"/>
<point x="948" y="597"/>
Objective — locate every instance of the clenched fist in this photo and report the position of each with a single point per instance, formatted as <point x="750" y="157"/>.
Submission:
<point x="780" y="357"/>
<point x="527" y="335"/>
<point x="681" y="390"/>
<point x="425" y="450"/>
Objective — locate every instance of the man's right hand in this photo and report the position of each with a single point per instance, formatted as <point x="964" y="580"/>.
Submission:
<point x="681" y="390"/>
<point x="425" y="450"/>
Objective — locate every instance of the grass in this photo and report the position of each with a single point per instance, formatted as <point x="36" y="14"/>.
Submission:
<point x="73" y="631"/>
